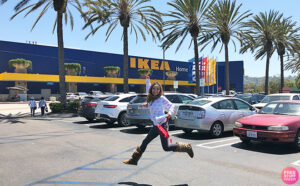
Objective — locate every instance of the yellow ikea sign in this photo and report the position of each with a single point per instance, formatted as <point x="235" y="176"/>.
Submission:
<point x="149" y="64"/>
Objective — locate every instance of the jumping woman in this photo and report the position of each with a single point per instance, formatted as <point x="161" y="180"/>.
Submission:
<point x="158" y="104"/>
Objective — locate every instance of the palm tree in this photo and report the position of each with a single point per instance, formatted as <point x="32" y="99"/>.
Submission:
<point x="133" y="14"/>
<point x="294" y="63"/>
<point x="187" y="18"/>
<point x="259" y="38"/>
<point x="286" y="40"/>
<point x="223" y="23"/>
<point x="60" y="6"/>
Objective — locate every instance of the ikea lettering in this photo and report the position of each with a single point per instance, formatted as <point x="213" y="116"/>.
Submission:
<point x="149" y="64"/>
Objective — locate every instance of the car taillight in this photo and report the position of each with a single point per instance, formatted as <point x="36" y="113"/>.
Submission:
<point x="201" y="114"/>
<point x="90" y="104"/>
<point x="110" y="106"/>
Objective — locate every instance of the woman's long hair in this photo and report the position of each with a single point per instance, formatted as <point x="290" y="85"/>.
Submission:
<point x="150" y="96"/>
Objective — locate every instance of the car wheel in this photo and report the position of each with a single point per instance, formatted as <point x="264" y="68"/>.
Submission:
<point x="122" y="120"/>
<point x="140" y="126"/>
<point x="187" y="131"/>
<point x="90" y="119"/>
<point x="245" y="141"/>
<point x="216" y="130"/>
<point x="297" y="141"/>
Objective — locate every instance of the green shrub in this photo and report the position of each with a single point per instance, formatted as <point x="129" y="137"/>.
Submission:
<point x="72" y="106"/>
<point x="56" y="107"/>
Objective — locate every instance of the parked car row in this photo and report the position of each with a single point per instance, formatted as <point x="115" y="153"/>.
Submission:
<point x="278" y="121"/>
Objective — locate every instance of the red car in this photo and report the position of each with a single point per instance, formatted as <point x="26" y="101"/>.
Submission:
<point x="278" y="122"/>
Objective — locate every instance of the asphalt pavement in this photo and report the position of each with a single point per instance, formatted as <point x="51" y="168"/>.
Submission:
<point x="61" y="149"/>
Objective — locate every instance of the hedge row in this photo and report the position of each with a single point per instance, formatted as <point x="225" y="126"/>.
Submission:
<point x="71" y="107"/>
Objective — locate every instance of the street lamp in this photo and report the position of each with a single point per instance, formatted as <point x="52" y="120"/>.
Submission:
<point x="164" y="48"/>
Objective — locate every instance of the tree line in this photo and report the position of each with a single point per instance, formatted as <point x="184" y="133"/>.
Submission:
<point x="206" y="23"/>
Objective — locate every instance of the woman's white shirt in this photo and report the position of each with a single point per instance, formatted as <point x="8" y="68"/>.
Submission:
<point x="32" y="103"/>
<point x="159" y="106"/>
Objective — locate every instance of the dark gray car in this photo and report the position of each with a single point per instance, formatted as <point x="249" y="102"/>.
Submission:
<point x="251" y="98"/>
<point x="88" y="105"/>
<point x="138" y="114"/>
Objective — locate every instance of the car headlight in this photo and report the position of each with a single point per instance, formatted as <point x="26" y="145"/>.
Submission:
<point x="238" y="124"/>
<point x="278" y="128"/>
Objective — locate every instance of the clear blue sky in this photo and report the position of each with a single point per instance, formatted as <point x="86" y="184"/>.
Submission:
<point x="18" y="30"/>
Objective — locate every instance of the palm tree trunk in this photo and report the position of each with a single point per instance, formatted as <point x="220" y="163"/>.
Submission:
<point x="61" y="67"/>
<point x="197" y="67"/>
<point x="281" y="74"/>
<point x="226" y="70"/>
<point x="125" y="59"/>
<point x="267" y="74"/>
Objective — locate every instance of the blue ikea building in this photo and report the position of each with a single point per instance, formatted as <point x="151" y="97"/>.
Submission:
<point x="45" y="66"/>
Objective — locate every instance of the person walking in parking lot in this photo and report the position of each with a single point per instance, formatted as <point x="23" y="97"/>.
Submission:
<point x="158" y="104"/>
<point x="32" y="105"/>
<point x="42" y="105"/>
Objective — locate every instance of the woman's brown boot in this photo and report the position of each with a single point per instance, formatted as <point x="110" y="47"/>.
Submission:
<point x="135" y="157"/>
<point x="182" y="147"/>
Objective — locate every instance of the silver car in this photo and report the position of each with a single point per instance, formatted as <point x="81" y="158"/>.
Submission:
<point x="213" y="114"/>
<point x="138" y="114"/>
<point x="276" y="97"/>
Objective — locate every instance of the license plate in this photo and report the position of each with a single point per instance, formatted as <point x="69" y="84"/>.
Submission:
<point x="187" y="115"/>
<point x="252" y="134"/>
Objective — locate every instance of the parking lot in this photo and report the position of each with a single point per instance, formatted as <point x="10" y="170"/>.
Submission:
<point x="69" y="150"/>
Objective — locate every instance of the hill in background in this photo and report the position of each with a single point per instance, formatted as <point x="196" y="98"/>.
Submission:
<point x="260" y="80"/>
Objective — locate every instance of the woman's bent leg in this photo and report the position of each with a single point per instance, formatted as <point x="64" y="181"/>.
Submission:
<point x="153" y="133"/>
<point x="165" y="141"/>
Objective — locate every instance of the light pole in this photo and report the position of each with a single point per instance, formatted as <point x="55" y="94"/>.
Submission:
<point x="164" y="48"/>
<point x="164" y="68"/>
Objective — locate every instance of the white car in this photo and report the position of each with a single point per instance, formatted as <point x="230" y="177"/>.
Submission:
<point x="213" y="114"/>
<point x="81" y="95"/>
<point x="114" y="109"/>
<point x="276" y="97"/>
<point x="71" y="96"/>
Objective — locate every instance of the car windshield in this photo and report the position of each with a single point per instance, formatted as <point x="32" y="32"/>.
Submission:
<point x="281" y="108"/>
<point x="268" y="99"/>
<point x="90" y="99"/>
<point x="139" y="99"/>
<point x="112" y="98"/>
<point x="200" y="102"/>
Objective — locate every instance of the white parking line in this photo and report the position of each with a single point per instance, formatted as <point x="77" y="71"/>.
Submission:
<point x="206" y="145"/>
<point x="67" y="121"/>
<point x="122" y="128"/>
<point x="297" y="163"/>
